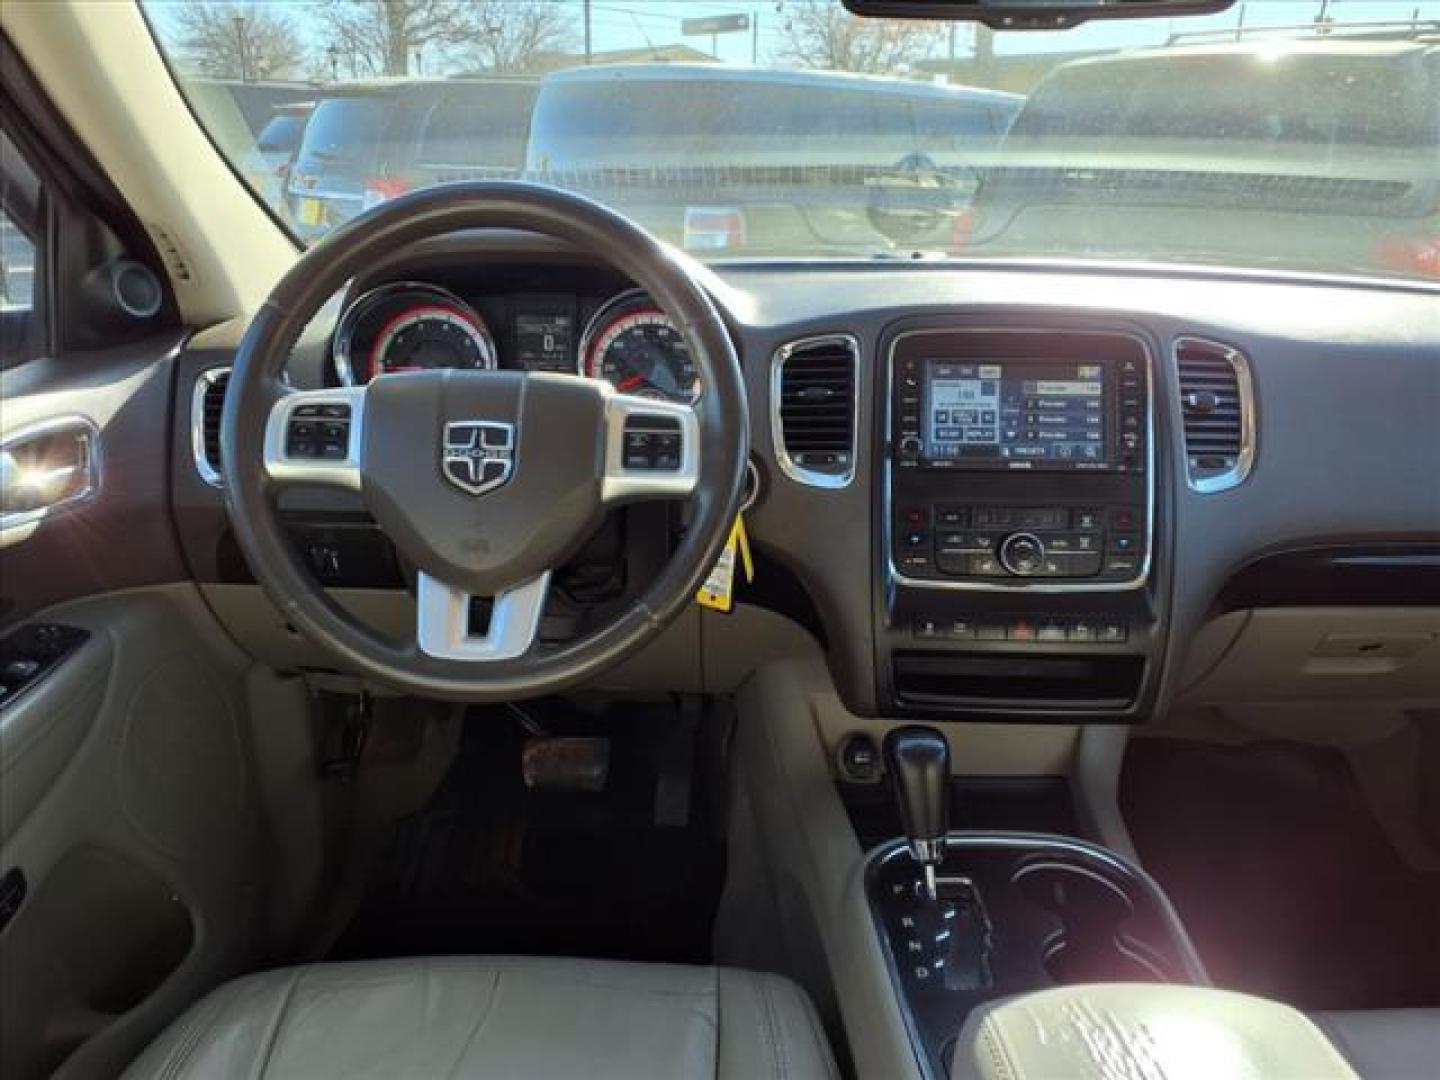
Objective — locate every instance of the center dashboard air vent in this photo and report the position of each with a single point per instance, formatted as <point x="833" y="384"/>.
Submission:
<point x="206" y="407"/>
<point x="1217" y="405"/>
<point x="813" y="388"/>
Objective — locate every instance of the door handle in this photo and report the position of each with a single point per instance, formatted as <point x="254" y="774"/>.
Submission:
<point x="47" y="467"/>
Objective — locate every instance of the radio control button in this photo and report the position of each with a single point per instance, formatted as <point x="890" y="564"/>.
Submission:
<point x="927" y="628"/>
<point x="959" y="543"/>
<point x="990" y="632"/>
<point x="910" y="447"/>
<point x="1020" y="630"/>
<point x="1112" y="631"/>
<point x="960" y="630"/>
<point x="1051" y="631"/>
<point x="1022" y="554"/>
<point x="916" y="565"/>
<point x="958" y="564"/>
<point x="1081" y="630"/>
<point x="1043" y="517"/>
<point x="1122" y="566"/>
<point x="986" y="566"/>
<point x="954" y="543"/>
<point x="1087" y="519"/>
<point x="952" y="515"/>
<point x="1124" y="544"/>
<point x="994" y="516"/>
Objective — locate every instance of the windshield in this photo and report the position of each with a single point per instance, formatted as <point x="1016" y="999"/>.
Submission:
<point x="1287" y="136"/>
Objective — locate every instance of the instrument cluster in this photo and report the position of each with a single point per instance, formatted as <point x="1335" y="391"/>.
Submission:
<point x="407" y="326"/>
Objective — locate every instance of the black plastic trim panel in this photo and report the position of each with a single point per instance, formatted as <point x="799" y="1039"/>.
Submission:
<point x="1338" y="575"/>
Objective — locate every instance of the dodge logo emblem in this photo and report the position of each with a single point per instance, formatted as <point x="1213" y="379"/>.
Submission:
<point x="478" y="455"/>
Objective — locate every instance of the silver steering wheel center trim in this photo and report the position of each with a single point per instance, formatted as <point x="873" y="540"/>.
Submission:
<point x="286" y="458"/>
<point x="443" y="620"/>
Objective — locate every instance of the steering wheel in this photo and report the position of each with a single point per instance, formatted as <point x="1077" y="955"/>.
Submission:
<point x="485" y="481"/>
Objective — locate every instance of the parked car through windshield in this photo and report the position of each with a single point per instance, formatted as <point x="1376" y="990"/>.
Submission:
<point x="1256" y="139"/>
<point x="370" y="141"/>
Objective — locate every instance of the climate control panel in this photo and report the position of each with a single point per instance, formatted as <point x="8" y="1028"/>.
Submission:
<point x="946" y="541"/>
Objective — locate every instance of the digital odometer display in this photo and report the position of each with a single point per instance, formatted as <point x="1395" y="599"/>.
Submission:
<point x="545" y="340"/>
<point x="1052" y="414"/>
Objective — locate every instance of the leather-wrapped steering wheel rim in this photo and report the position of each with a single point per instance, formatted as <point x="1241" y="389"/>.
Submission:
<point x="256" y="388"/>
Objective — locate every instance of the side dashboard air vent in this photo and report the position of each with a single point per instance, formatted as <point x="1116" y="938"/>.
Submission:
<point x="1217" y="405"/>
<point x="206" y="406"/>
<point x="813" y="387"/>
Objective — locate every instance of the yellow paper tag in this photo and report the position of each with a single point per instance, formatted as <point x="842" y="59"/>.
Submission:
<point x="718" y="592"/>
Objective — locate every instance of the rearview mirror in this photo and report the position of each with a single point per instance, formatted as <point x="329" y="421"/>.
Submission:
<point x="1033" y="14"/>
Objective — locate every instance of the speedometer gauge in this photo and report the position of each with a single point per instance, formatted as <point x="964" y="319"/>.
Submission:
<point x="633" y="345"/>
<point x="409" y="326"/>
<point x="431" y="336"/>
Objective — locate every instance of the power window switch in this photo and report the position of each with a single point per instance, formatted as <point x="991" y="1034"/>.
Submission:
<point x="19" y="671"/>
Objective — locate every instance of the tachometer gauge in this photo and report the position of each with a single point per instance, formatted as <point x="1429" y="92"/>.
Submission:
<point x="633" y="345"/>
<point x="409" y="326"/>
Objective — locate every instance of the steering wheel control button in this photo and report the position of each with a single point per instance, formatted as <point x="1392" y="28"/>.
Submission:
<point x="319" y="431"/>
<point x="652" y="443"/>
<point x="1022" y="554"/>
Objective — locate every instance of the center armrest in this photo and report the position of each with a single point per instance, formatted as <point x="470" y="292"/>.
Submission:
<point x="1110" y="1031"/>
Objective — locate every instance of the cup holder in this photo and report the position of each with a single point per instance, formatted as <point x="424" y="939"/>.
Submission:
<point x="1091" y="945"/>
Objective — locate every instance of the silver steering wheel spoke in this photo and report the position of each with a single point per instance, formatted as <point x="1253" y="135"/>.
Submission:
<point x="652" y="449"/>
<point x="444" y="626"/>
<point x="316" y="436"/>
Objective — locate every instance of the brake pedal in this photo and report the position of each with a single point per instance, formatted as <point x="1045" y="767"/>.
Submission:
<point x="565" y="763"/>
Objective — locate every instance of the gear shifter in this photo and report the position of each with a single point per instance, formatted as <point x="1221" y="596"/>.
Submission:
<point x="919" y="762"/>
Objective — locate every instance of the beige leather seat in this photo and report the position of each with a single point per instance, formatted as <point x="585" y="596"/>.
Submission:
<point x="1103" y="1031"/>
<point x="510" y="1018"/>
<point x="1387" y="1044"/>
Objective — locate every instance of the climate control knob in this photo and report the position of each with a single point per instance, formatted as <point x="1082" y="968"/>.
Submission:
<point x="1022" y="554"/>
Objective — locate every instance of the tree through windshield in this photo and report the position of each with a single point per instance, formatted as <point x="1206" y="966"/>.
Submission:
<point x="1290" y="136"/>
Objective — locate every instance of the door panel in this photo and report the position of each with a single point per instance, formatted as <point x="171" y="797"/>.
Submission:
<point x="131" y="810"/>
<point x="122" y="536"/>
<point x="127" y="800"/>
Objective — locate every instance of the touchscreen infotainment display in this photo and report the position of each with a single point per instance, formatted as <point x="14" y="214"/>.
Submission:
<point x="1010" y="413"/>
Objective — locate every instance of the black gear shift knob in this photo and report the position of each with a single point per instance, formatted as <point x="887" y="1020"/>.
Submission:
<point x="918" y="759"/>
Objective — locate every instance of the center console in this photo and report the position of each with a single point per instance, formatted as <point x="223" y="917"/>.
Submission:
<point x="1014" y="914"/>
<point x="1019" y="521"/>
<point x="969" y="918"/>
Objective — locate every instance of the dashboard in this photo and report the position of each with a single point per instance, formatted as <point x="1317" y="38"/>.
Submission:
<point x="413" y="324"/>
<point x="1004" y="493"/>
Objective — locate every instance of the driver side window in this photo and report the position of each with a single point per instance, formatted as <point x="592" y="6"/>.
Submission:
<point x="17" y="267"/>
<point x="20" y="197"/>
